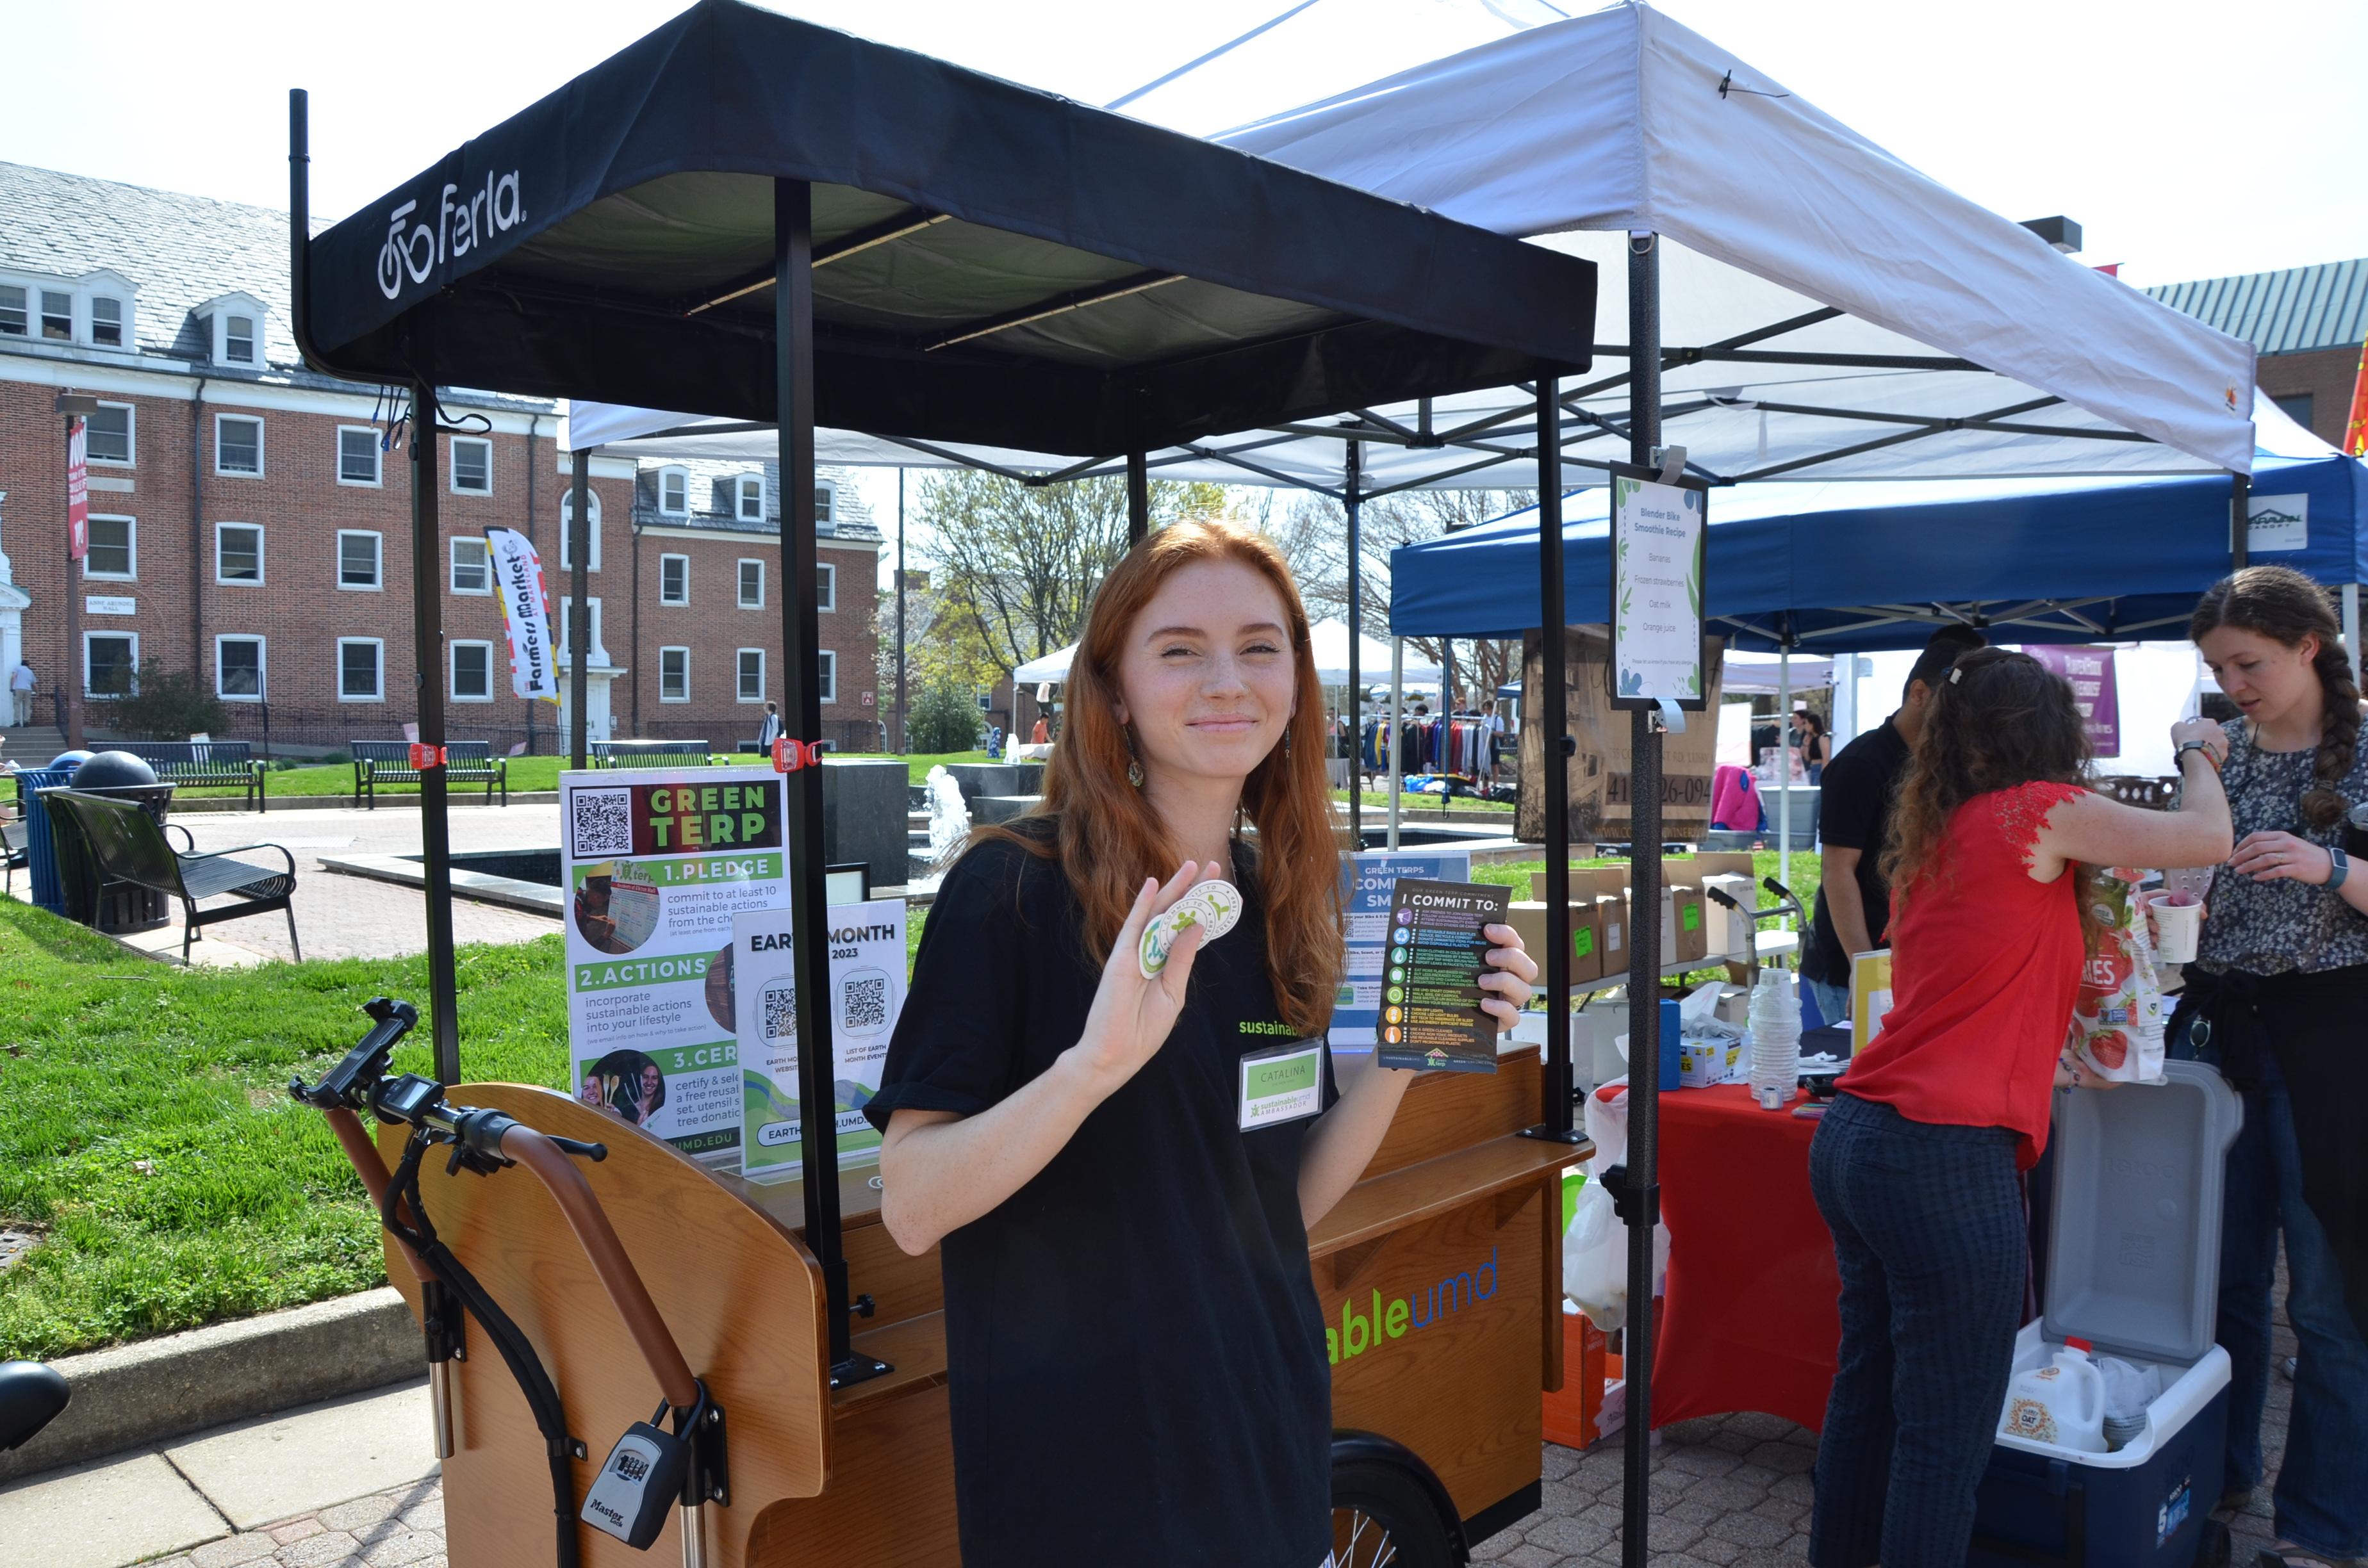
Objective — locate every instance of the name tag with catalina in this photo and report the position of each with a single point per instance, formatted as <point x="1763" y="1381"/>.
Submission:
<point x="1282" y="1083"/>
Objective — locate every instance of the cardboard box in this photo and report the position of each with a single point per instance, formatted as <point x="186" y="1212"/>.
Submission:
<point x="1529" y="918"/>
<point x="1730" y="930"/>
<point x="1575" y="1414"/>
<point x="1702" y="1062"/>
<point x="1611" y="925"/>
<point x="1684" y="939"/>
<point x="1599" y="771"/>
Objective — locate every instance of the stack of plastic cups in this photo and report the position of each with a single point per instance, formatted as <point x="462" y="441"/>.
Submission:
<point x="1775" y="1041"/>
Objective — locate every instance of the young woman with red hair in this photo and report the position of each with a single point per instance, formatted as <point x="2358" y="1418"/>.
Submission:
<point x="1136" y="1356"/>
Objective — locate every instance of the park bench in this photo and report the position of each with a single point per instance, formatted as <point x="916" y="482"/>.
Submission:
<point x="196" y="763"/>
<point x="639" y="753"/>
<point x="465" y="762"/>
<point x="129" y="846"/>
<point x="15" y="839"/>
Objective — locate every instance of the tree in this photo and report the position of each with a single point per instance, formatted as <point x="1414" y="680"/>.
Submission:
<point x="167" y="704"/>
<point x="944" y="718"/>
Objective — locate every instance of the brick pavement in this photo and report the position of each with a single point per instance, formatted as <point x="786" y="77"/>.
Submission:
<point x="386" y="1529"/>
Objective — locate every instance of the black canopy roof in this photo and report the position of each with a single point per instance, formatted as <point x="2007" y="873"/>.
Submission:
<point x="993" y="263"/>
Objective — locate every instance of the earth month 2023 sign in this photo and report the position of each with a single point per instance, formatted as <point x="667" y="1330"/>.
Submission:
<point x="657" y="863"/>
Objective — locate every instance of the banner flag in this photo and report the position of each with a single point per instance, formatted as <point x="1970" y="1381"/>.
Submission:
<point x="77" y="490"/>
<point x="2355" y="429"/>
<point x="526" y="613"/>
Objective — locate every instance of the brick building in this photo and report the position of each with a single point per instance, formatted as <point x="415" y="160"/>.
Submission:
<point x="249" y="522"/>
<point x="2307" y="324"/>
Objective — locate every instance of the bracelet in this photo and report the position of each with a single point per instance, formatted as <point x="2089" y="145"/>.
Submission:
<point x="2186" y="746"/>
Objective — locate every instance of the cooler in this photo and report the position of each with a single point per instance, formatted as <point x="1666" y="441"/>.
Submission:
<point x="2134" y="1268"/>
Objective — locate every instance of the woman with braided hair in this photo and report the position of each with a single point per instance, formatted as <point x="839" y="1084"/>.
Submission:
<point x="2279" y="999"/>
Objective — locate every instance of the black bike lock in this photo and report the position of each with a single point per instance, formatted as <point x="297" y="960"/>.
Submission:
<point x="639" y="1480"/>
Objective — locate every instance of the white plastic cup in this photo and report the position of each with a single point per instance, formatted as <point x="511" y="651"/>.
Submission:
<point x="2178" y="923"/>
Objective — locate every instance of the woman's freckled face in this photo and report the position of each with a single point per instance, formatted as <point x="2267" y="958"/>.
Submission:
<point x="1208" y="674"/>
<point x="2260" y="674"/>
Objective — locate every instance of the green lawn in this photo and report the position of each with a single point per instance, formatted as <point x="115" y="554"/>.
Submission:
<point x="1803" y="882"/>
<point x="919" y="765"/>
<point x="1413" y="805"/>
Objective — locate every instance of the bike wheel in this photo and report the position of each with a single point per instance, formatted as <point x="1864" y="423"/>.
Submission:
<point x="1382" y="1518"/>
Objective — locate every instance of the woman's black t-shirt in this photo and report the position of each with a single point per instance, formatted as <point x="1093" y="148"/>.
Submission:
<point x="1135" y="1352"/>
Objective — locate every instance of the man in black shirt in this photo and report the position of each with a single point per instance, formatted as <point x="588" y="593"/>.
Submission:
<point x="1854" y="822"/>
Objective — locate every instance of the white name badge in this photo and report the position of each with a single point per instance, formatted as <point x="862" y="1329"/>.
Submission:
<point x="1282" y="1083"/>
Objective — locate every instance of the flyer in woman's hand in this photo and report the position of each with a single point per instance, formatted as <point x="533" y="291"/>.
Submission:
<point x="1439" y="947"/>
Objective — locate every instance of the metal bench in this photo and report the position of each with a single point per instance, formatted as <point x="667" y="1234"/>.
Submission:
<point x="636" y="753"/>
<point x="465" y="762"/>
<point x="205" y="764"/>
<point x="129" y="846"/>
<point x="14" y="837"/>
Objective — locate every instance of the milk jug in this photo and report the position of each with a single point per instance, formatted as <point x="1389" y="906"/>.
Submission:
<point x="2061" y="1403"/>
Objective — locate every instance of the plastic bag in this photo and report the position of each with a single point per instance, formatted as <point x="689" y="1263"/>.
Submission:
<point x="2117" y="1020"/>
<point x="2129" y="1388"/>
<point x="1595" y="1242"/>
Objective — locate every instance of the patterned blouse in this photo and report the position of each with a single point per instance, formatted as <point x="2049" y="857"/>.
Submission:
<point x="2274" y="927"/>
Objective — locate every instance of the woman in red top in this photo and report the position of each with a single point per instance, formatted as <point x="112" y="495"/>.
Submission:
<point x="1915" y="1168"/>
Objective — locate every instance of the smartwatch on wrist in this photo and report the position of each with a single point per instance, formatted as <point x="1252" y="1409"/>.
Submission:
<point x="2338" y="866"/>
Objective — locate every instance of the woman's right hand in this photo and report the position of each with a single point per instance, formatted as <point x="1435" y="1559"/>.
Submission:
<point x="2214" y="739"/>
<point x="1130" y="1015"/>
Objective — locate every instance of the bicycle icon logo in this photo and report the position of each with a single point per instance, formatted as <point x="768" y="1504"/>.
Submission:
<point x="459" y="227"/>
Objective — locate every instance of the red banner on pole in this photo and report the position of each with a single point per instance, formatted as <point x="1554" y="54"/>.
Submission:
<point x="77" y="492"/>
<point x="2355" y="429"/>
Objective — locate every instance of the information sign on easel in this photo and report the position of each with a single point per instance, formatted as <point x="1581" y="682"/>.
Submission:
<point x="1658" y="538"/>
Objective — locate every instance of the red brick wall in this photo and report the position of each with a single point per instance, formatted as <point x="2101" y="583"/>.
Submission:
<point x="2326" y="374"/>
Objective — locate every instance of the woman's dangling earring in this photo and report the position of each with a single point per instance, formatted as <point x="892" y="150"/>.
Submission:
<point x="1286" y="742"/>
<point x="1133" y="763"/>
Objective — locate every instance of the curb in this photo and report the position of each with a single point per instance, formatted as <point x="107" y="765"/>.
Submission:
<point x="130" y="1395"/>
<point x="404" y="803"/>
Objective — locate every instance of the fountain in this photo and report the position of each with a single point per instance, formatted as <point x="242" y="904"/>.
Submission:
<point x="948" y="818"/>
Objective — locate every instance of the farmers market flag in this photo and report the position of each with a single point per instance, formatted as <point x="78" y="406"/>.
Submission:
<point x="77" y="490"/>
<point x="2355" y="429"/>
<point x="526" y="613"/>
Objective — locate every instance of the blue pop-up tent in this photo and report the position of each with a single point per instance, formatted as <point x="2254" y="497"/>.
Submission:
<point x="1876" y="565"/>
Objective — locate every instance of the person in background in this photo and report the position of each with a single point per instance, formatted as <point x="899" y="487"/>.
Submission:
<point x="22" y="684"/>
<point x="995" y="743"/>
<point x="1492" y="730"/>
<point x="1041" y="735"/>
<point x="2278" y="999"/>
<point x="1854" y="913"/>
<point x="1917" y="1166"/>
<point x="1817" y="748"/>
<point x="770" y="730"/>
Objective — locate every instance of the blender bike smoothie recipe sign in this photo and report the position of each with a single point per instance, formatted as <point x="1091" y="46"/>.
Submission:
<point x="656" y="864"/>
<point x="1656" y="592"/>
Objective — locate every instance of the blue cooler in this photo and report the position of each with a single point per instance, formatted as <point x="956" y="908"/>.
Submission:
<point x="2132" y="1267"/>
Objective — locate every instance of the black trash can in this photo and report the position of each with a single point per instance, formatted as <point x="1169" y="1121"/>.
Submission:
<point x="117" y="908"/>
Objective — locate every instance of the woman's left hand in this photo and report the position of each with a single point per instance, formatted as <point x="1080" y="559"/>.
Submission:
<point x="2266" y="857"/>
<point x="1510" y="974"/>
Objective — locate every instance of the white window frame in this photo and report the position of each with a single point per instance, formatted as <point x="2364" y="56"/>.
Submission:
<point x="31" y="308"/>
<point x="254" y="357"/>
<point x="743" y="488"/>
<point x="258" y="470"/>
<point x="561" y="652"/>
<point x="453" y="668"/>
<point x="378" y="644"/>
<point x="131" y="637"/>
<point x="262" y="570"/>
<point x="262" y="667"/>
<point x="828" y="666"/>
<point x="663" y="597"/>
<point x="681" y="508"/>
<point x="122" y="319"/>
<point x="452" y="565"/>
<point x="673" y="648"/>
<point x="131" y="436"/>
<point x="41" y="317"/>
<point x="740" y="674"/>
<point x="378" y="547"/>
<point x="740" y="581"/>
<point x="566" y="511"/>
<point x="452" y="465"/>
<point x="825" y="505"/>
<point x="378" y="457"/>
<point x="131" y="541"/>
<point x="826" y="585"/>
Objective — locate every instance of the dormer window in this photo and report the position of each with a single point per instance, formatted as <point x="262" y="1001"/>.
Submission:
<point x="236" y="322"/>
<point x="105" y="321"/>
<point x="750" y="505"/>
<point x="14" y="321"/>
<point x="674" y="492"/>
<point x="238" y="339"/>
<point x="824" y="499"/>
<point x="57" y="315"/>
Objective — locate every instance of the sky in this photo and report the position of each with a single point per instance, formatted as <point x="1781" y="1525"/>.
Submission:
<point x="2189" y="138"/>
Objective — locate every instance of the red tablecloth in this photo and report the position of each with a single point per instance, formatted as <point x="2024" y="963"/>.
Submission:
<point x="1750" y="1322"/>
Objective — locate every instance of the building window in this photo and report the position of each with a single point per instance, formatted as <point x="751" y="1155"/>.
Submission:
<point x="114" y="548"/>
<point x="359" y="669"/>
<point x="826" y="506"/>
<point x="238" y="552"/>
<point x="472" y="567"/>
<point x="674" y="675"/>
<point x="473" y="467"/>
<point x="2298" y="406"/>
<point x="752" y="675"/>
<point x="238" y="445"/>
<point x="472" y="672"/>
<point x="238" y="339"/>
<point x="238" y="669"/>
<point x="829" y="683"/>
<point x="826" y="585"/>
<point x="105" y="321"/>
<point x="749" y="498"/>
<point x="110" y="663"/>
<point x="592" y="625"/>
<point x="57" y="316"/>
<point x="14" y="321"/>
<point x="359" y="560"/>
<point x="567" y="532"/>
<point x="358" y="455"/>
<point x="752" y="584"/>
<point x="674" y="492"/>
<point x="674" y="579"/>
<point x="107" y="435"/>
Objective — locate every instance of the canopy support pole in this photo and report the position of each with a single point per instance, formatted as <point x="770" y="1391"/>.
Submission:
<point x="2351" y="627"/>
<point x="1138" y="507"/>
<point x="1644" y="1188"/>
<point x="1356" y="646"/>
<point x="1397" y="706"/>
<point x="2240" y="512"/>
<point x="802" y="722"/>
<point x="1552" y="721"/>
<point x="902" y="744"/>
<point x="428" y="681"/>
<point x="1784" y="755"/>
<point x="579" y="611"/>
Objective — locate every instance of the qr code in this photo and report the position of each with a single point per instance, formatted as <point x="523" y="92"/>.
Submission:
<point x="782" y="1013"/>
<point x="602" y="821"/>
<point x="863" y="1004"/>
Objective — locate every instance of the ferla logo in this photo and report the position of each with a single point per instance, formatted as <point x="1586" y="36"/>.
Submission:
<point x="1423" y="1309"/>
<point x="459" y="227"/>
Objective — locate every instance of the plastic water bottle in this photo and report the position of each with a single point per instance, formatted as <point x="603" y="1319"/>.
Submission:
<point x="1775" y="1041"/>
